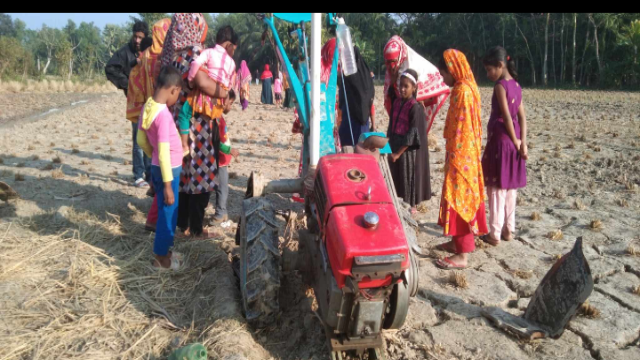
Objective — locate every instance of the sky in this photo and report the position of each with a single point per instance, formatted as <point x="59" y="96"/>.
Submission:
<point x="59" y="20"/>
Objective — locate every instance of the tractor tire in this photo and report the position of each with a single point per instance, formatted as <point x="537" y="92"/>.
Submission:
<point x="259" y="262"/>
<point x="413" y="274"/>
<point x="398" y="307"/>
<point x="408" y="224"/>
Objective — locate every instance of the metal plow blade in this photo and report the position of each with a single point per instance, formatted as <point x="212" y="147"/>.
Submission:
<point x="563" y="289"/>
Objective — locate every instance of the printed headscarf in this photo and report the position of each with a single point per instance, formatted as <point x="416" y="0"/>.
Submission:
<point x="187" y="30"/>
<point x="431" y="89"/>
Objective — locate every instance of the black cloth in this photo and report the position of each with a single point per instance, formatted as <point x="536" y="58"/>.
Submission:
<point x="119" y="66"/>
<point x="267" y="94"/>
<point x="287" y="99"/>
<point x="410" y="172"/>
<point x="191" y="209"/>
<point x="359" y="90"/>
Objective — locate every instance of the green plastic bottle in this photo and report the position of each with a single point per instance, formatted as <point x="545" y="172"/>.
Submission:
<point x="190" y="352"/>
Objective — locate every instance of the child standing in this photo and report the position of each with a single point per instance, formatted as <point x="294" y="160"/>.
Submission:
<point x="221" y="68"/>
<point x="407" y="135"/>
<point x="225" y="152"/>
<point x="277" y="88"/>
<point x="503" y="161"/>
<point x="159" y="139"/>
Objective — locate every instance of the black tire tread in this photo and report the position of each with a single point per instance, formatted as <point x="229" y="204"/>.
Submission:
<point x="259" y="262"/>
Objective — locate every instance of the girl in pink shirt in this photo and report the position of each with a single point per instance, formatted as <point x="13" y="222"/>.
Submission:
<point x="277" y="88"/>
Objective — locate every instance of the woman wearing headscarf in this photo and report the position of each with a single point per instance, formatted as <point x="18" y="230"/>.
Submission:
<point x="267" y="78"/>
<point x="432" y="91"/>
<point x="462" y="212"/>
<point x="183" y="44"/>
<point x="244" y="79"/>
<point x="141" y="86"/>
<point x="356" y="106"/>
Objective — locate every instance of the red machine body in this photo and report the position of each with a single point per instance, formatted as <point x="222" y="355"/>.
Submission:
<point x="342" y="199"/>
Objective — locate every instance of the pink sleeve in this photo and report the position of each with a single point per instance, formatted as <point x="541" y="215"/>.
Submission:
<point x="164" y="126"/>
<point x="197" y="63"/>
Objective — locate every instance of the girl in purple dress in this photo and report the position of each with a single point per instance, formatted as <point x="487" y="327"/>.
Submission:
<point x="503" y="161"/>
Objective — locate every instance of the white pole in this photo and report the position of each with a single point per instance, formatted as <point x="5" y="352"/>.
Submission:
<point x="316" y="34"/>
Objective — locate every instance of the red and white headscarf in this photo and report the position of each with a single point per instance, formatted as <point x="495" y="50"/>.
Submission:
<point x="432" y="91"/>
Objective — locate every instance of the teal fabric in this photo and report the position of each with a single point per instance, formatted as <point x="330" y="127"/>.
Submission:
<point x="293" y="17"/>
<point x="385" y="150"/>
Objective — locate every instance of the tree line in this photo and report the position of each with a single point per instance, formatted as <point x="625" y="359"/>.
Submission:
<point x="597" y="50"/>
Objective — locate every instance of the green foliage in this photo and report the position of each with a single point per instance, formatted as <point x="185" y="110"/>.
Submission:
<point x="83" y="49"/>
<point x="150" y="18"/>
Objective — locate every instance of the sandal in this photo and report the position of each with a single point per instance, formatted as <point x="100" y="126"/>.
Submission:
<point x="140" y="183"/>
<point x="176" y="265"/>
<point x="489" y="240"/>
<point x="177" y="255"/>
<point x="447" y="264"/>
<point x="207" y="234"/>
<point x="414" y="211"/>
<point x="448" y="247"/>
<point x="150" y="227"/>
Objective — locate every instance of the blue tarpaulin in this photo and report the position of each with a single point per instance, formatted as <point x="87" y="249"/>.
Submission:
<point x="293" y="17"/>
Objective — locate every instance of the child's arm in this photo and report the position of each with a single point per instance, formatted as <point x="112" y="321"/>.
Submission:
<point x="522" y="118"/>
<point x="143" y="141"/>
<point x="209" y="87"/>
<point x="506" y="116"/>
<point x="197" y="64"/>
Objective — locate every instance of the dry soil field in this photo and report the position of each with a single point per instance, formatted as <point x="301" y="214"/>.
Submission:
<point x="76" y="281"/>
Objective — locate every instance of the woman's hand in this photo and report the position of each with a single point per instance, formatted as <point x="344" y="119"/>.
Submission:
<point x="524" y="153"/>
<point x="517" y="143"/>
<point x="394" y="157"/>
<point x="168" y="194"/>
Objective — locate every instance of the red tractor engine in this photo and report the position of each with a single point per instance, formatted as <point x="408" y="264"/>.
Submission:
<point x="360" y="256"/>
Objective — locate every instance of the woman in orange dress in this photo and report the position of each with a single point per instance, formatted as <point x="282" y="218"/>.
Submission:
<point x="462" y="213"/>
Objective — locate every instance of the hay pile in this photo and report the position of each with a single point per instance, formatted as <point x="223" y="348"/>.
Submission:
<point x="83" y="287"/>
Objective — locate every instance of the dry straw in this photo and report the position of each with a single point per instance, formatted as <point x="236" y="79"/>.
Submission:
<point x="76" y="286"/>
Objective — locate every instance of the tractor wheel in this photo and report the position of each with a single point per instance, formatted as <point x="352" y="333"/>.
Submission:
<point x="398" y="307"/>
<point x="413" y="274"/>
<point x="259" y="262"/>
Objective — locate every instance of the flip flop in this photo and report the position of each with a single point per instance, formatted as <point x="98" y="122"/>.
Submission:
<point x="206" y="235"/>
<point x="448" y="247"/>
<point x="177" y="255"/>
<point x="487" y="238"/>
<point x="150" y="228"/>
<point x="447" y="264"/>
<point x="413" y="211"/>
<point x="176" y="265"/>
<point x="140" y="183"/>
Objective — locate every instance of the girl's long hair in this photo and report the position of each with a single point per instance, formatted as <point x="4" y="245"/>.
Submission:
<point x="497" y="54"/>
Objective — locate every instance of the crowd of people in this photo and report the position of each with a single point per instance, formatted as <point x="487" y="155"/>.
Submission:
<point x="178" y="94"/>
